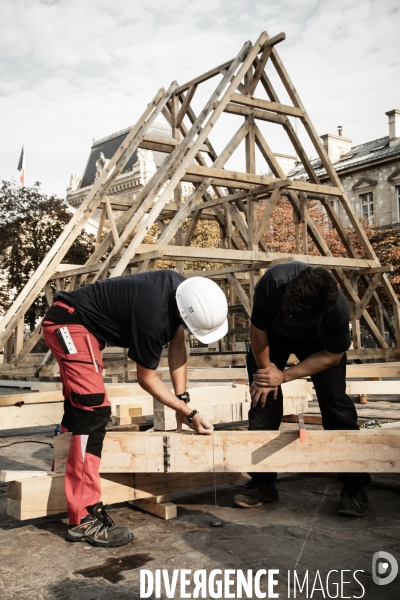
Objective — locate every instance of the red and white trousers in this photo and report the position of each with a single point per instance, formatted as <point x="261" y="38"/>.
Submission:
<point x="87" y="411"/>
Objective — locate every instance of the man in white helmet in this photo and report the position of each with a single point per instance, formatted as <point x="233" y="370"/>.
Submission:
<point x="143" y="313"/>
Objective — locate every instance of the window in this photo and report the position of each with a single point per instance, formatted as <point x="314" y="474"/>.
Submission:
<point x="367" y="206"/>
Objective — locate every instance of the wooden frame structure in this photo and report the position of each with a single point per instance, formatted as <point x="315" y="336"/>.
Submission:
<point x="228" y="197"/>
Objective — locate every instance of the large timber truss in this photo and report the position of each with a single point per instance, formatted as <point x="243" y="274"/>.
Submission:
<point x="229" y="197"/>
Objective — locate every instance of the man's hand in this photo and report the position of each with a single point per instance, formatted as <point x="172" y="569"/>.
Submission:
<point x="260" y="392"/>
<point x="199" y="424"/>
<point x="265" y="381"/>
<point x="269" y="377"/>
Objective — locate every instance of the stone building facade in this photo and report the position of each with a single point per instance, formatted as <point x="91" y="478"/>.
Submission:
<point x="136" y="173"/>
<point x="369" y="172"/>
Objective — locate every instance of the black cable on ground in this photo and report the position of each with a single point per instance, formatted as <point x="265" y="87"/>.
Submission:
<point x="28" y="442"/>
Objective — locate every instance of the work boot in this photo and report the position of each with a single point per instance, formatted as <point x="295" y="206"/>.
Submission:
<point x="354" y="501"/>
<point x="99" y="529"/>
<point x="255" y="495"/>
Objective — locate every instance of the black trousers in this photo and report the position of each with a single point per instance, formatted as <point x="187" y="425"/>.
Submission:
<point x="337" y="409"/>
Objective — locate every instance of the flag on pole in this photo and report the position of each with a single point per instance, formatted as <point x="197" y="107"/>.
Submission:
<point x="21" y="166"/>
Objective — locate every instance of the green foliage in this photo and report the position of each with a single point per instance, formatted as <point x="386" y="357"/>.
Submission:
<point x="30" y="223"/>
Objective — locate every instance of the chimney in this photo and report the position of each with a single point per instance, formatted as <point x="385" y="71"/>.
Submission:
<point x="394" y="127"/>
<point x="336" y="146"/>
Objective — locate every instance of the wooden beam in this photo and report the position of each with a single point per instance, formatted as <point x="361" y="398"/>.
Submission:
<point x="242" y="451"/>
<point x="44" y="397"/>
<point x="247" y="111"/>
<point x="185" y="105"/>
<point x="373" y="270"/>
<point x="240" y="292"/>
<point x="267" y="214"/>
<point x="217" y="70"/>
<point x="164" y="510"/>
<point x="44" y="495"/>
<point x="222" y="255"/>
<point x="204" y="77"/>
<point x="235" y="177"/>
<point x="280" y="109"/>
<point x="111" y="219"/>
<point x="39" y="496"/>
<point x="368" y="294"/>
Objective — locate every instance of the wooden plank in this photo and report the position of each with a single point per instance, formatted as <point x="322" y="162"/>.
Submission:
<point x="128" y="410"/>
<point x="280" y="109"/>
<point x="374" y="370"/>
<point x="204" y="77"/>
<point x="31" y="415"/>
<point x="166" y="510"/>
<point x="243" y="451"/>
<point x="368" y="294"/>
<point x="222" y="255"/>
<point x="267" y="213"/>
<point x="77" y="270"/>
<point x="29" y="499"/>
<point x="246" y="111"/>
<point x="40" y="386"/>
<point x="240" y="292"/>
<point x="161" y="143"/>
<point x="42" y="397"/>
<point x="236" y="177"/>
<point x="185" y="105"/>
<point x="217" y="70"/>
<point x="9" y="475"/>
<point x="381" y="269"/>
<point x="40" y="496"/>
<point x="373" y="387"/>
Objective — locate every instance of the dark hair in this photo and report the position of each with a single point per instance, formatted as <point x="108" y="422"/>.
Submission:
<point x="312" y="293"/>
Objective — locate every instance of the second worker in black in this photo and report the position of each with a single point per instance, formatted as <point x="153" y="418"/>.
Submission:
<point x="300" y="310"/>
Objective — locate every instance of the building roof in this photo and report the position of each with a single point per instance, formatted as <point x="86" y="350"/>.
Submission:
<point x="110" y="144"/>
<point x="361" y="155"/>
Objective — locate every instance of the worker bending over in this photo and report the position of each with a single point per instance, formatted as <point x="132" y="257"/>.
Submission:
<point x="300" y="310"/>
<point x="143" y="313"/>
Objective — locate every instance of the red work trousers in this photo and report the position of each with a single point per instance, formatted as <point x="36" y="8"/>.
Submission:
<point x="87" y="411"/>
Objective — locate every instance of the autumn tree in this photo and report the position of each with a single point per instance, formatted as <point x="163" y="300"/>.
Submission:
<point x="30" y="223"/>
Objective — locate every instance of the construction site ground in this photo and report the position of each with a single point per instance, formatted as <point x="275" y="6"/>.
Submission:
<point x="299" y="533"/>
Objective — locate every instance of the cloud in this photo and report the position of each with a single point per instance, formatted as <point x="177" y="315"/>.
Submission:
<point x="73" y="70"/>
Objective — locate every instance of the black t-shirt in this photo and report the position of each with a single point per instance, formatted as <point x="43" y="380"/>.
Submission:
<point x="132" y="311"/>
<point x="268" y="294"/>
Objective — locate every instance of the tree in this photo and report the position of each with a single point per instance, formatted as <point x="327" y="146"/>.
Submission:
<point x="30" y="223"/>
<point x="279" y="236"/>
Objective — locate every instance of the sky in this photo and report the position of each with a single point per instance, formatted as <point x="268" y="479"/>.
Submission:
<point x="76" y="70"/>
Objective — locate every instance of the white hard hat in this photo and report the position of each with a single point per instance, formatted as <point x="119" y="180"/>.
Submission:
<point x="204" y="309"/>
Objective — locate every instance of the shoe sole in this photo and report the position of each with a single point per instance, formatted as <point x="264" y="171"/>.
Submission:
<point x="244" y="505"/>
<point x="93" y="542"/>
<point x="350" y="513"/>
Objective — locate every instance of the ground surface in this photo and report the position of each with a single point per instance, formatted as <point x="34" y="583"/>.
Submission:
<point x="300" y="532"/>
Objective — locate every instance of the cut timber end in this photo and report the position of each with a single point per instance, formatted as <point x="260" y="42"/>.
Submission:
<point x="164" y="510"/>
